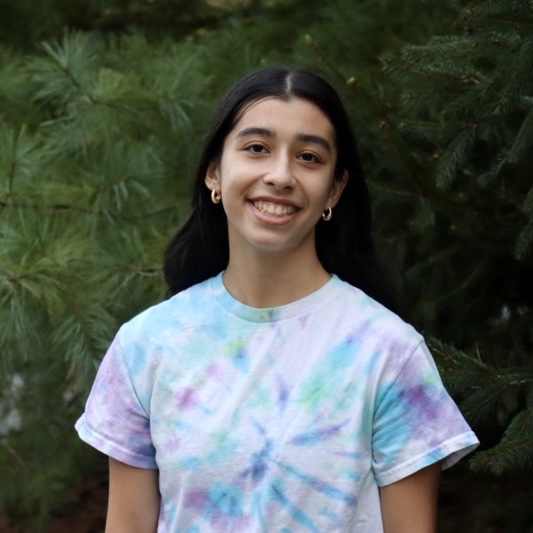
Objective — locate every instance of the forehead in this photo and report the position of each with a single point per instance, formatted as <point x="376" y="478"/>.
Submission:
<point x="294" y="116"/>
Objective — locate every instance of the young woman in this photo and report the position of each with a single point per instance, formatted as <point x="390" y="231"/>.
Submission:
<point x="276" y="391"/>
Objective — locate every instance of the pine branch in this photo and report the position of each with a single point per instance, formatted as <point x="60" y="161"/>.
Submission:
<point x="83" y="333"/>
<point x="56" y="76"/>
<point x="20" y="154"/>
<point x="116" y="215"/>
<point x="62" y="59"/>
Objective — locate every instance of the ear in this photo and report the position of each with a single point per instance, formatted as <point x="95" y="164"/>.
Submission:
<point x="212" y="177"/>
<point x="336" y="189"/>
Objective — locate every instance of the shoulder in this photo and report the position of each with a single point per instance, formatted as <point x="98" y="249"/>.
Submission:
<point x="189" y="308"/>
<point x="373" y="318"/>
<point x="382" y="341"/>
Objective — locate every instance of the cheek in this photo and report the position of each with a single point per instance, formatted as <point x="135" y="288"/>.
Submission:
<point x="229" y="185"/>
<point x="236" y="179"/>
<point x="326" y="192"/>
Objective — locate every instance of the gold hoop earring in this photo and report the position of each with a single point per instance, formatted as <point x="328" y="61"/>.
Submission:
<point x="326" y="215"/>
<point x="215" y="196"/>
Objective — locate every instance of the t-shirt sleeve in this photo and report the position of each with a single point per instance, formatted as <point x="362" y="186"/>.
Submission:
<point x="115" y="421"/>
<point x="416" y="423"/>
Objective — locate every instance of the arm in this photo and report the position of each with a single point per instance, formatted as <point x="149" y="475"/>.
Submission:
<point x="410" y="505"/>
<point x="134" y="499"/>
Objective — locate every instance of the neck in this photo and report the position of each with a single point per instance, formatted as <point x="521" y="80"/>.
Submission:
<point x="271" y="280"/>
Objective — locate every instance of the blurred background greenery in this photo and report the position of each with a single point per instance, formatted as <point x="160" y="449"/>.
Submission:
<point x="103" y="104"/>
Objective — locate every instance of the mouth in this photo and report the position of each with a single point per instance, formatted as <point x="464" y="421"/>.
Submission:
<point x="271" y="208"/>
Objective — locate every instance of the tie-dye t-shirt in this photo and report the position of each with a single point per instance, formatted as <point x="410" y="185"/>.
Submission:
<point x="284" y="420"/>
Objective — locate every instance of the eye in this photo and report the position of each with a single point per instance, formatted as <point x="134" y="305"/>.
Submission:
<point x="309" y="157"/>
<point x="256" y="148"/>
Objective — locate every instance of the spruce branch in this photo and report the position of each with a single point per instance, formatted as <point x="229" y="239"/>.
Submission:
<point x="458" y="287"/>
<point x="524" y="242"/>
<point x="406" y="162"/>
<point x="509" y="456"/>
<point x="428" y="73"/>
<point x="454" y="156"/>
<point x="394" y="190"/>
<point x="516" y="15"/>
<point x="515" y="450"/>
<point x="528" y="203"/>
<point x="465" y="371"/>
<point x="498" y="22"/>
<point x="151" y="91"/>
<point x="525" y="237"/>
<point x="487" y="178"/>
<point x="417" y="100"/>
<point x="523" y="142"/>
<point x="410" y="167"/>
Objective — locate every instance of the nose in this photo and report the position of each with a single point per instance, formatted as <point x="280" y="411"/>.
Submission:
<point x="280" y="174"/>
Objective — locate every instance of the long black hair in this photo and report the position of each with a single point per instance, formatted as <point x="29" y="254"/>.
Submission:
<point x="200" y="248"/>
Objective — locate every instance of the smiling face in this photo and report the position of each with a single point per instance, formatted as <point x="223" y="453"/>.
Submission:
<point x="276" y="176"/>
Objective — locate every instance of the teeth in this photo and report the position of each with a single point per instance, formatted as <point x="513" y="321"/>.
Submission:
<point x="274" y="209"/>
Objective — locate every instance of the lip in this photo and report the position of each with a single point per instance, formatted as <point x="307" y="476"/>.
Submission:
<point x="279" y="218"/>
<point x="272" y="200"/>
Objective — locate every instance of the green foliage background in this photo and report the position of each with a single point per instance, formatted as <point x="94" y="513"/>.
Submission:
<point x="103" y="105"/>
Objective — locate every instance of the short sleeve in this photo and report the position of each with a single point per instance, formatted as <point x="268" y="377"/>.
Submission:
<point x="416" y="423"/>
<point x="115" y="422"/>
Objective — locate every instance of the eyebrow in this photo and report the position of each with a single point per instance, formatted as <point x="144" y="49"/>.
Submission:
<point x="302" y="137"/>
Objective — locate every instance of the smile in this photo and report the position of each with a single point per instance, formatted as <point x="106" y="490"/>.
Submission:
<point x="274" y="209"/>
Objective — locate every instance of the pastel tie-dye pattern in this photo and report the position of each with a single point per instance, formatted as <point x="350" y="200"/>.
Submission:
<point x="272" y="420"/>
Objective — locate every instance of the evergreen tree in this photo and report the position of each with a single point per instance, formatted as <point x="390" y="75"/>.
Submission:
<point x="85" y="211"/>
<point x="98" y="131"/>
<point x="99" y="128"/>
<point x="464" y="237"/>
<point x="26" y="22"/>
